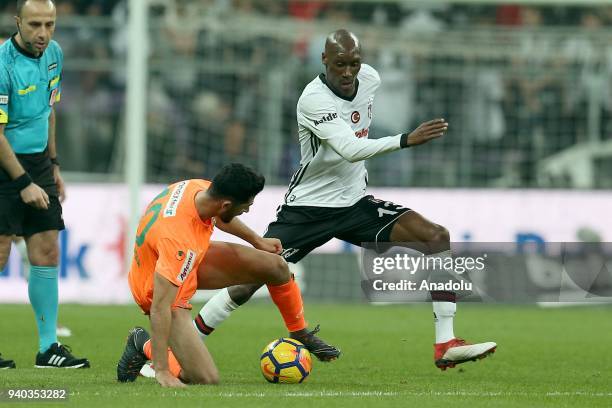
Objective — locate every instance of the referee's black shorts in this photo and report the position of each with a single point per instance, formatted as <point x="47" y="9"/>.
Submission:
<point x="304" y="228"/>
<point x="18" y="218"/>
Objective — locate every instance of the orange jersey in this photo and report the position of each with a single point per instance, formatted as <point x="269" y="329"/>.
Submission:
<point x="171" y="240"/>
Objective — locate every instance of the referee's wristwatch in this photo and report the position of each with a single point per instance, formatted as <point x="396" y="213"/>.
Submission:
<point x="54" y="161"/>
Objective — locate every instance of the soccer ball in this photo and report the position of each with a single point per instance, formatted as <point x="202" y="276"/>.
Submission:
<point x="285" y="361"/>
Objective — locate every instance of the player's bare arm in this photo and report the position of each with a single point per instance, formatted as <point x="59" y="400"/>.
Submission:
<point x="59" y="181"/>
<point x="161" y="322"/>
<point x="8" y="160"/>
<point x="427" y="131"/>
<point x="31" y="193"/>
<point x="242" y="231"/>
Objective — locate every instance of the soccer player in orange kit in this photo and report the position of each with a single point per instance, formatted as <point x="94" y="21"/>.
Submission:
<point x="174" y="256"/>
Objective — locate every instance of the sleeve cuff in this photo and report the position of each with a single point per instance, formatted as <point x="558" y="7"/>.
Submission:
<point x="404" y="141"/>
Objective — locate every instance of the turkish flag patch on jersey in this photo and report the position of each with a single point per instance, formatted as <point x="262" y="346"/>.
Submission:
<point x="355" y="116"/>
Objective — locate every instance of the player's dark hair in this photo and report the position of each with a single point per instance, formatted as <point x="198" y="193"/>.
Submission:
<point x="21" y="3"/>
<point x="237" y="182"/>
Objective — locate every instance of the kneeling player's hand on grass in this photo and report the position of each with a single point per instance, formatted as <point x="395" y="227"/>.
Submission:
<point x="166" y="379"/>
<point x="272" y="245"/>
<point x="427" y="131"/>
<point x="35" y="196"/>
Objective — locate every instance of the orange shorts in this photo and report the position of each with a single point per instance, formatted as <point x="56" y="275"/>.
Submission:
<point x="145" y="300"/>
<point x="178" y="266"/>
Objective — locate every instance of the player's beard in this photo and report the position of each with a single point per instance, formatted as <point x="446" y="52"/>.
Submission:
<point x="29" y="45"/>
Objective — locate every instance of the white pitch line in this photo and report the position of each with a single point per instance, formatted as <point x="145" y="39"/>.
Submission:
<point x="553" y="394"/>
<point x="311" y="394"/>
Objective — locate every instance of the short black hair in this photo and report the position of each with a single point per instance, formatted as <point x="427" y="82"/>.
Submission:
<point x="21" y="3"/>
<point x="237" y="182"/>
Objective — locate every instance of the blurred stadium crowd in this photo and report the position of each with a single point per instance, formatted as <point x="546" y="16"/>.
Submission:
<point x="519" y="85"/>
<point x="395" y="13"/>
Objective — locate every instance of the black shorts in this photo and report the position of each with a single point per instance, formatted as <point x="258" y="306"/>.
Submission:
<point x="303" y="228"/>
<point x="18" y="218"/>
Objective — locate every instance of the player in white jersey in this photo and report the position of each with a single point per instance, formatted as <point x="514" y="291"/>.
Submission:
<point x="326" y="197"/>
<point x="333" y="132"/>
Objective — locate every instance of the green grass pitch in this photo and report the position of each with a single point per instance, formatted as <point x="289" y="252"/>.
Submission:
<point x="546" y="358"/>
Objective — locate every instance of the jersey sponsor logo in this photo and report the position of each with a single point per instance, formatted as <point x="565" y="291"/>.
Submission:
<point x="3" y="117"/>
<point x="4" y="99"/>
<point x="362" y="133"/>
<point x="52" y="66"/>
<point x="355" y="116"/>
<point x="175" y="199"/>
<point x="187" y="266"/>
<point x="26" y="91"/>
<point x="327" y="118"/>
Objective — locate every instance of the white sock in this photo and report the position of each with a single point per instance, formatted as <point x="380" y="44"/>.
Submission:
<point x="444" y="312"/>
<point x="214" y="312"/>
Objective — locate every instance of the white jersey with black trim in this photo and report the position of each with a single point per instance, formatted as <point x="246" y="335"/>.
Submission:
<point x="333" y="133"/>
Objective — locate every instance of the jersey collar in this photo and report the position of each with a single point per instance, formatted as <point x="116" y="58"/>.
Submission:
<point x="22" y="51"/>
<point x="349" y="98"/>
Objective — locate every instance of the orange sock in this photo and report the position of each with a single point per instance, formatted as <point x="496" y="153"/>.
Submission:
<point x="288" y="299"/>
<point x="173" y="364"/>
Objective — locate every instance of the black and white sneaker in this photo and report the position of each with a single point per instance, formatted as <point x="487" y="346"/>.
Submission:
<point x="133" y="357"/>
<point x="6" y="364"/>
<point x="59" y="356"/>
<point x="316" y="346"/>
